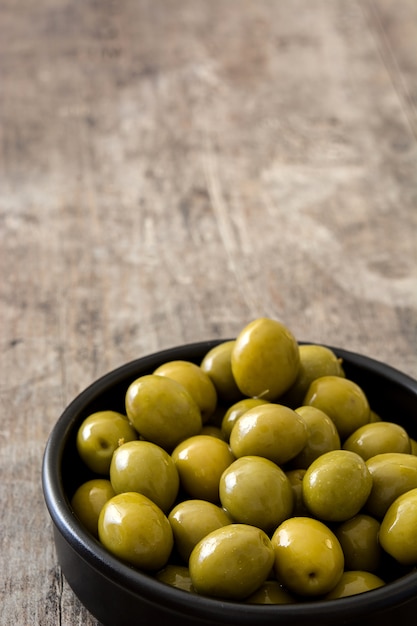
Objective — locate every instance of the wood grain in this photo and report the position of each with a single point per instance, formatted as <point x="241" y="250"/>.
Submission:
<point x="170" y="171"/>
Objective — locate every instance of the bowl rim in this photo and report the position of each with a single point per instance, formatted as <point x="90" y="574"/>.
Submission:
<point x="149" y="588"/>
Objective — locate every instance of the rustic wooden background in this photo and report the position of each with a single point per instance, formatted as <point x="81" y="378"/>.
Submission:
<point x="171" y="170"/>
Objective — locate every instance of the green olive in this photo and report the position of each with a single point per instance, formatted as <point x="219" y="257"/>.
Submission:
<point x="377" y="438"/>
<point x="336" y="485"/>
<point x="162" y="410"/>
<point x="196" y="381"/>
<point x="200" y="462"/>
<point x="393" y="473"/>
<point x="309" y="559"/>
<point x="322" y="436"/>
<point x="358" y="537"/>
<point x="99" y="435"/>
<point x="146" y="468"/>
<point x="212" y="431"/>
<point x="265" y="359"/>
<point x="342" y="400"/>
<point x="177" y="576"/>
<point x="89" y="499"/>
<point x="191" y="520"/>
<point x="231" y="562"/>
<point x="134" y="529"/>
<point x="254" y="490"/>
<point x="397" y="534"/>
<point x="272" y="431"/>
<point x="315" y="361"/>
<point x="271" y="592"/>
<point x="217" y="363"/>
<point x="374" y="417"/>
<point x="354" y="582"/>
<point x="235" y="411"/>
<point x="295" y="476"/>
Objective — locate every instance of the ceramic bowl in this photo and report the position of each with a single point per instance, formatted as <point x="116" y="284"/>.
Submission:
<point x="118" y="595"/>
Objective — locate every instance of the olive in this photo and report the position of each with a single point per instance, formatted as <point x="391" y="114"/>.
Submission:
<point x="342" y="400"/>
<point x="235" y="411"/>
<point x="89" y="499"/>
<point x="295" y="476"/>
<point x="377" y="438"/>
<point x="336" y="485"/>
<point x="354" y="582"/>
<point x="271" y="592"/>
<point x="231" y="562"/>
<point x="374" y="417"/>
<point x="99" y="435"/>
<point x="196" y="381"/>
<point x="135" y="529"/>
<point x="146" y="468"/>
<point x="162" y="410"/>
<point x="358" y="537"/>
<point x="212" y="431"/>
<point x="265" y="359"/>
<point x="191" y="520"/>
<point x="177" y="576"/>
<point x="397" y="534"/>
<point x="254" y="490"/>
<point x="200" y="462"/>
<point x="322" y="436"/>
<point x="217" y="363"/>
<point x="309" y="559"/>
<point x="393" y="473"/>
<point x="273" y="431"/>
<point x="315" y="361"/>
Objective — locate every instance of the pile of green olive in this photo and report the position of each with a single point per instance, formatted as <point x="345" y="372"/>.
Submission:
<point x="260" y="475"/>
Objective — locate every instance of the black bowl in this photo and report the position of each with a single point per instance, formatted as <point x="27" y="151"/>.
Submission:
<point x="118" y="595"/>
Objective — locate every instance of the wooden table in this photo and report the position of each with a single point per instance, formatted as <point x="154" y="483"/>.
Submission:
<point x="170" y="171"/>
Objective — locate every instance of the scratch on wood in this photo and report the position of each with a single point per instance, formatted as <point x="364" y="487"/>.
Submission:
<point x="221" y="211"/>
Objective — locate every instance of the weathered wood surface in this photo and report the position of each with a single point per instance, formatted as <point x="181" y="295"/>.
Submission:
<point x="170" y="171"/>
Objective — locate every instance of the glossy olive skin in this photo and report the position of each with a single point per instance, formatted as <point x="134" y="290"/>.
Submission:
<point x="162" y="410"/>
<point x="196" y="381"/>
<point x="358" y="537"/>
<point x="315" y="361"/>
<point x="392" y="475"/>
<point x="397" y="534"/>
<point x="134" y="528"/>
<point x="354" y="582"/>
<point x="191" y="520"/>
<point x="254" y="490"/>
<point x="146" y="468"/>
<point x="336" y="485"/>
<point x="342" y="400"/>
<point x="217" y="363"/>
<point x="272" y="431"/>
<point x="177" y="576"/>
<point x="89" y="499"/>
<point x="377" y="438"/>
<point x="99" y="435"/>
<point x="322" y="436"/>
<point x="271" y="592"/>
<point x="235" y="411"/>
<point x="265" y="359"/>
<point x="309" y="560"/>
<point x="200" y="462"/>
<point x="231" y="562"/>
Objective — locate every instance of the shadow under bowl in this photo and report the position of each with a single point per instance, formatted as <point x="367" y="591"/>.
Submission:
<point x="118" y="595"/>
